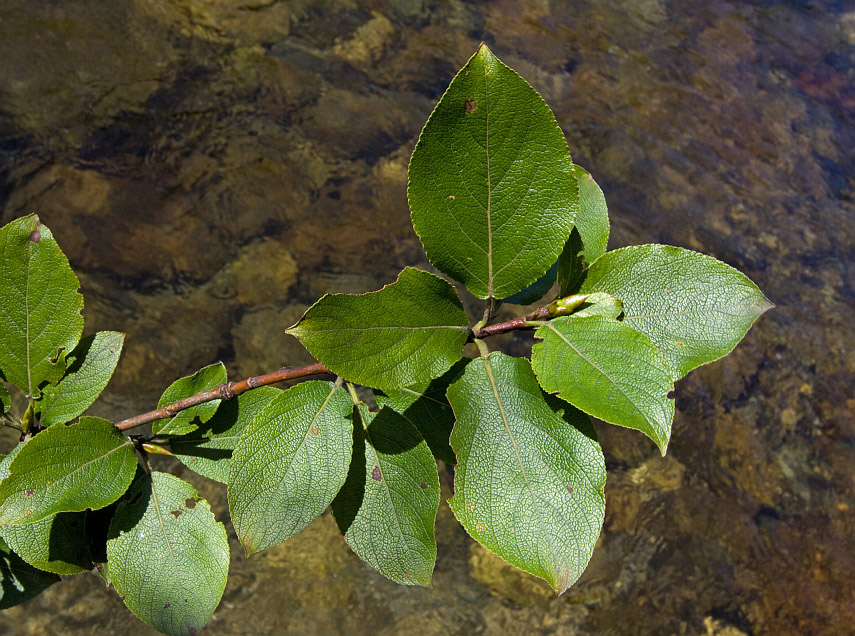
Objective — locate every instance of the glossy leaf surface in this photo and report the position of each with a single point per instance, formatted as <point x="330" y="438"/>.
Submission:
<point x="608" y="370"/>
<point x="410" y="331"/>
<point x="168" y="556"/>
<point x="530" y="475"/>
<point x="41" y="320"/>
<point x="208" y="449"/>
<point x="90" y="367"/>
<point x="19" y="581"/>
<point x="694" y="308"/>
<point x="425" y="406"/>
<point x="183" y="422"/>
<point x="387" y="507"/>
<point x="67" y="469"/>
<point x="290" y="463"/>
<point x="492" y="189"/>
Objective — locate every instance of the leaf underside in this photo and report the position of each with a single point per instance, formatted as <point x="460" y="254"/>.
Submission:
<point x="183" y="422"/>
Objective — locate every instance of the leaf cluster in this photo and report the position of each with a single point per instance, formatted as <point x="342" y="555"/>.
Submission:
<point x="501" y="208"/>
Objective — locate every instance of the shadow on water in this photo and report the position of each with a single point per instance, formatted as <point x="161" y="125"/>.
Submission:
<point x="211" y="168"/>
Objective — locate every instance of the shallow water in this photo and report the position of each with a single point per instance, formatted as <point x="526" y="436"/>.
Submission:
<point x="212" y="167"/>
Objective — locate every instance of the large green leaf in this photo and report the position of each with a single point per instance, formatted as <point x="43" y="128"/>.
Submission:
<point x="530" y="476"/>
<point x="90" y="367"/>
<point x="67" y="469"/>
<point x="183" y="422"/>
<point x="387" y="507"/>
<point x="608" y="370"/>
<point x="168" y="556"/>
<point x="410" y="331"/>
<point x="19" y="581"/>
<point x="492" y="189"/>
<point x="41" y="320"/>
<point x="694" y="308"/>
<point x="55" y="544"/>
<point x="290" y="463"/>
<point x="425" y="406"/>
<point x="208" y="449"/>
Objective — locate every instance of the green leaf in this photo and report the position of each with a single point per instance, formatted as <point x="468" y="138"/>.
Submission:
<point x="600" y="304"/>
<point x="41" y="319"/>
<point x="19" y="581"/>
<point x="5" y="399"/>
<point x="90" y="367"/>
<point x="55" y="544"/>
<point x="608" y="370"/>
<point x="67" y="469"/>
<point x="410" y="331"/>
<point x="492" y="189"/>
<point x="537" y="289"/>
<point x="168" y="556"/>
<point x="589" y="238"/>
<point x="204" y="379"/>
<point x="694" y="308"/>
<point x="425" y="406"/>
<point x="208" y="449"/>
<point x="530" y="476"/>
<point x="387" y="507"/>
<point x="290" y="463"/>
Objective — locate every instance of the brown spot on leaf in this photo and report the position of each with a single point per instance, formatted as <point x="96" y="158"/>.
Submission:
<point x="314" y="430"/>
<point x="376" y="475"/>
<point x="409" y="575"/>
<point x="167" y="606"/>
<point x="470" y="106"/>
<point x="175" y="513"/>
<point x="452" y="197"/>
<point x="35" y="236"/>
<point x="570" y="489"/>
<point x="192" y="630"/>
<point x="423" y="485"/>
<point x="679" y="343"/>
<point x="29" y="492"/>
<point x="479" y="527"/>
<point x="190" y="503"/>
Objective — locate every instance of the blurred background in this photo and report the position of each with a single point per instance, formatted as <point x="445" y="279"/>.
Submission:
<point x="212" y="167"/>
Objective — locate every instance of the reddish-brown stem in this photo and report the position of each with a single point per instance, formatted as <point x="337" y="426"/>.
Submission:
<point x="222" y="392"/>
<point x="231" y="389"/>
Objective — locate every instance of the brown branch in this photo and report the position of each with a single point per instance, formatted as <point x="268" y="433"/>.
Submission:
<point x="512" y="325"/>
<point x="222" y="392"/>
<point x="231" y="389"/>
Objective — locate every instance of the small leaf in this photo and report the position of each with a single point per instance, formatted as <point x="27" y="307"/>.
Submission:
<point x="208" y="450"/>
<point x="410" y="331"/>
<point x="530" y="476"/>
<point x="608" y="370"/>
<point x="5" y="398"/>
<point x="290" y="462"/>
<point x="182" y="422"/>
<point x="537" y="289"/>
<point x="425" y="406"/>
<point x="600" y="304"/>
<point x="41" y="319"/>
<point x="67" y="469"/>
<point x="387" y="507"/>
<point x="19" y="581"/>
<point x="168" y="556"/>
<point x="590" y="236"/>
<point x="694" y="308"/>
<point x="55" y="544"/>
<point x="492" y="189"/>
<point x="90" y="367"/>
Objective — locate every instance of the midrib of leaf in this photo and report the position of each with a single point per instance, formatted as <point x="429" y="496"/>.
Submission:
<point x="593" y="364"/>
<point x="166" y="537"/>
<point x="382" y="476"/>
<point x="394" y="327"/>
<point x="493" y="385"/>
<point x="489" y="184"/>
<point x="335" y="388"/>
<point x="423" y="395"/>
<point x="27" y="319"/>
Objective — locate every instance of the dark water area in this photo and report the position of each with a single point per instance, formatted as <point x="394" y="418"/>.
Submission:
<point x="212" y="167"/>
